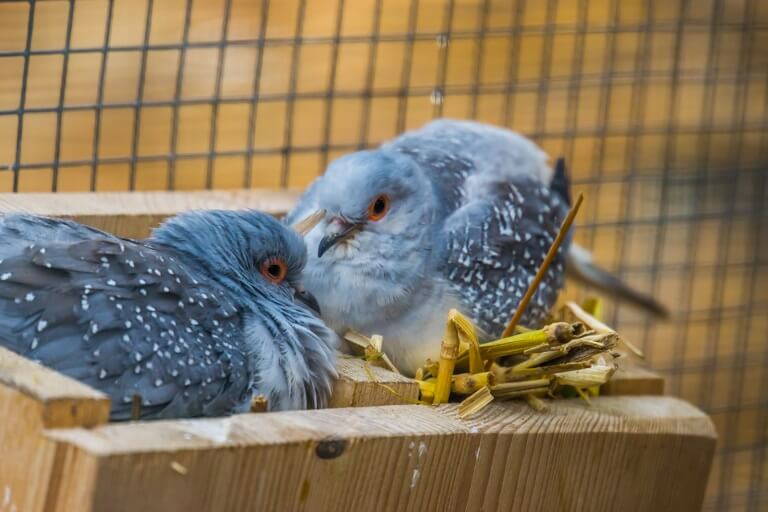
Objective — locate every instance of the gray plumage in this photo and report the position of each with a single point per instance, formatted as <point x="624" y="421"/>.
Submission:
<point x="471" y="213"/>
<point x="185" y="319"/>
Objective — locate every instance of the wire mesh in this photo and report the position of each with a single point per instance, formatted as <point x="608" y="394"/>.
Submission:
<point x="661" y="108"/>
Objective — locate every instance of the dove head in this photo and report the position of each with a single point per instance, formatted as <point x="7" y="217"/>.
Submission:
<point x="249" y="251"/>
<point x="374" y="246"/>
<point x="261" y="261"/>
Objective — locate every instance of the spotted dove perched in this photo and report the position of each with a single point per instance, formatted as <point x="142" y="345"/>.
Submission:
<point x="196" y="320"/>
<point x="453" y="215"/>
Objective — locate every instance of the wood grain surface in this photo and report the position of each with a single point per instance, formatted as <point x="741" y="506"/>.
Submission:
<point x="629" y="453"/>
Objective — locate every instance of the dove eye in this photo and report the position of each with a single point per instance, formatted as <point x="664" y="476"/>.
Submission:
<point x="274" y="270"/>
<point x="378" y="208"/>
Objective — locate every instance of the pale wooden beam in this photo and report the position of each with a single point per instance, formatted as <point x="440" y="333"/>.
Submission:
<point x="134" y="214"/>
<point x="629" y="453"/>
<point x="639" y="453"/>
<point x="33" y="398"/>
<point x="632" y="379"/>
<point x="355" y="388"/>
<point x="63" y="402"/>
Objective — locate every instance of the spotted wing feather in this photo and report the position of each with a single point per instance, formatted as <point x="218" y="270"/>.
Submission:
<point x="17" y="231"/>
<point x="124" y="318"/>
<point x="500" y="216"/>
<point x="492" y="248"/>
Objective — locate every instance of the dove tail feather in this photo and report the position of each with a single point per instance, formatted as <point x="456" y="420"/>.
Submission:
<point x="560" y="182"/>
<point x="579" y="267"/>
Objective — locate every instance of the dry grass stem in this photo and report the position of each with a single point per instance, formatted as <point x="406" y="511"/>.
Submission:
<point x="505" y="373"/>
<point x="136" y="407"/>
<point x="427" y="388"/>
<point x="308" y="223"/>
<point x="536" y="403"/>
<point x="585" y="378"/>
<point x="549" y="370"/>
<point x="504" y="395"/>
<point x="449" y="349"/>
<point x="468" y="383"/>
<point x="518" y="386"/>
<point x="513" y="345"/>
<point x="475" y="402"/>
<point x="179" y="468"/>
<point x="372" y="349"/>
<point x="259" y="403"/>
<point x="358" y="340"/>
<point x="599" y="326"/>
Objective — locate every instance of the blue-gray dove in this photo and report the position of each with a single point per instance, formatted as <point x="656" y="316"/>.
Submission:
<point x="196" y="320"/>
<point x="457" y="214"/>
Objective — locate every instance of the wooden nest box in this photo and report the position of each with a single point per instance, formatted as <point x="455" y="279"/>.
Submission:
<point x="637" y="451"/>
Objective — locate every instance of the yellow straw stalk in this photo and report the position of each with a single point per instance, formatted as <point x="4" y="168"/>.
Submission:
<point x="468" y="383"/>
<point x="475" y="403"/>
<point x="449" y="349"/>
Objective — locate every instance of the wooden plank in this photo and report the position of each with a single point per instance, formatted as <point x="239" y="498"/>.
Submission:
<point x="134" y="214"/>
<point x="33" y="398"/>
<point x="633" y="379"/>
<point x="354" y="387"/>
<point x="632" y="453"/>
<point x="27" y="458"/>
<point x="622" y="453"/>
<point x="64" y="402"/>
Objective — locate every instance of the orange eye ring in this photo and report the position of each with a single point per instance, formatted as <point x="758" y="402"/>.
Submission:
<point x="378" y="208"/>
<point x="274" y="270"/>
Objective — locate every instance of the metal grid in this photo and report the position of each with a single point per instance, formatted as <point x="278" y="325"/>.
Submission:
<point x="660" y="107"/>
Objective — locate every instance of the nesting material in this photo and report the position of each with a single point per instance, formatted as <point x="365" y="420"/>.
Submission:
<point x="372" y="349"/>
<point x="536" y="403"/>
<point x="592" y="320"/>
<point x="259" y="403"/>
<point x="475" y="403"/>
<point x="559" y="359"/>
<point x="469" y="383"/>
<point x="449" y="349"/>
<point x="308" y="223"/>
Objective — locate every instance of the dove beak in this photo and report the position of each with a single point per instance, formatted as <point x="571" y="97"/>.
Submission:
<point x="341" y="230"/>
